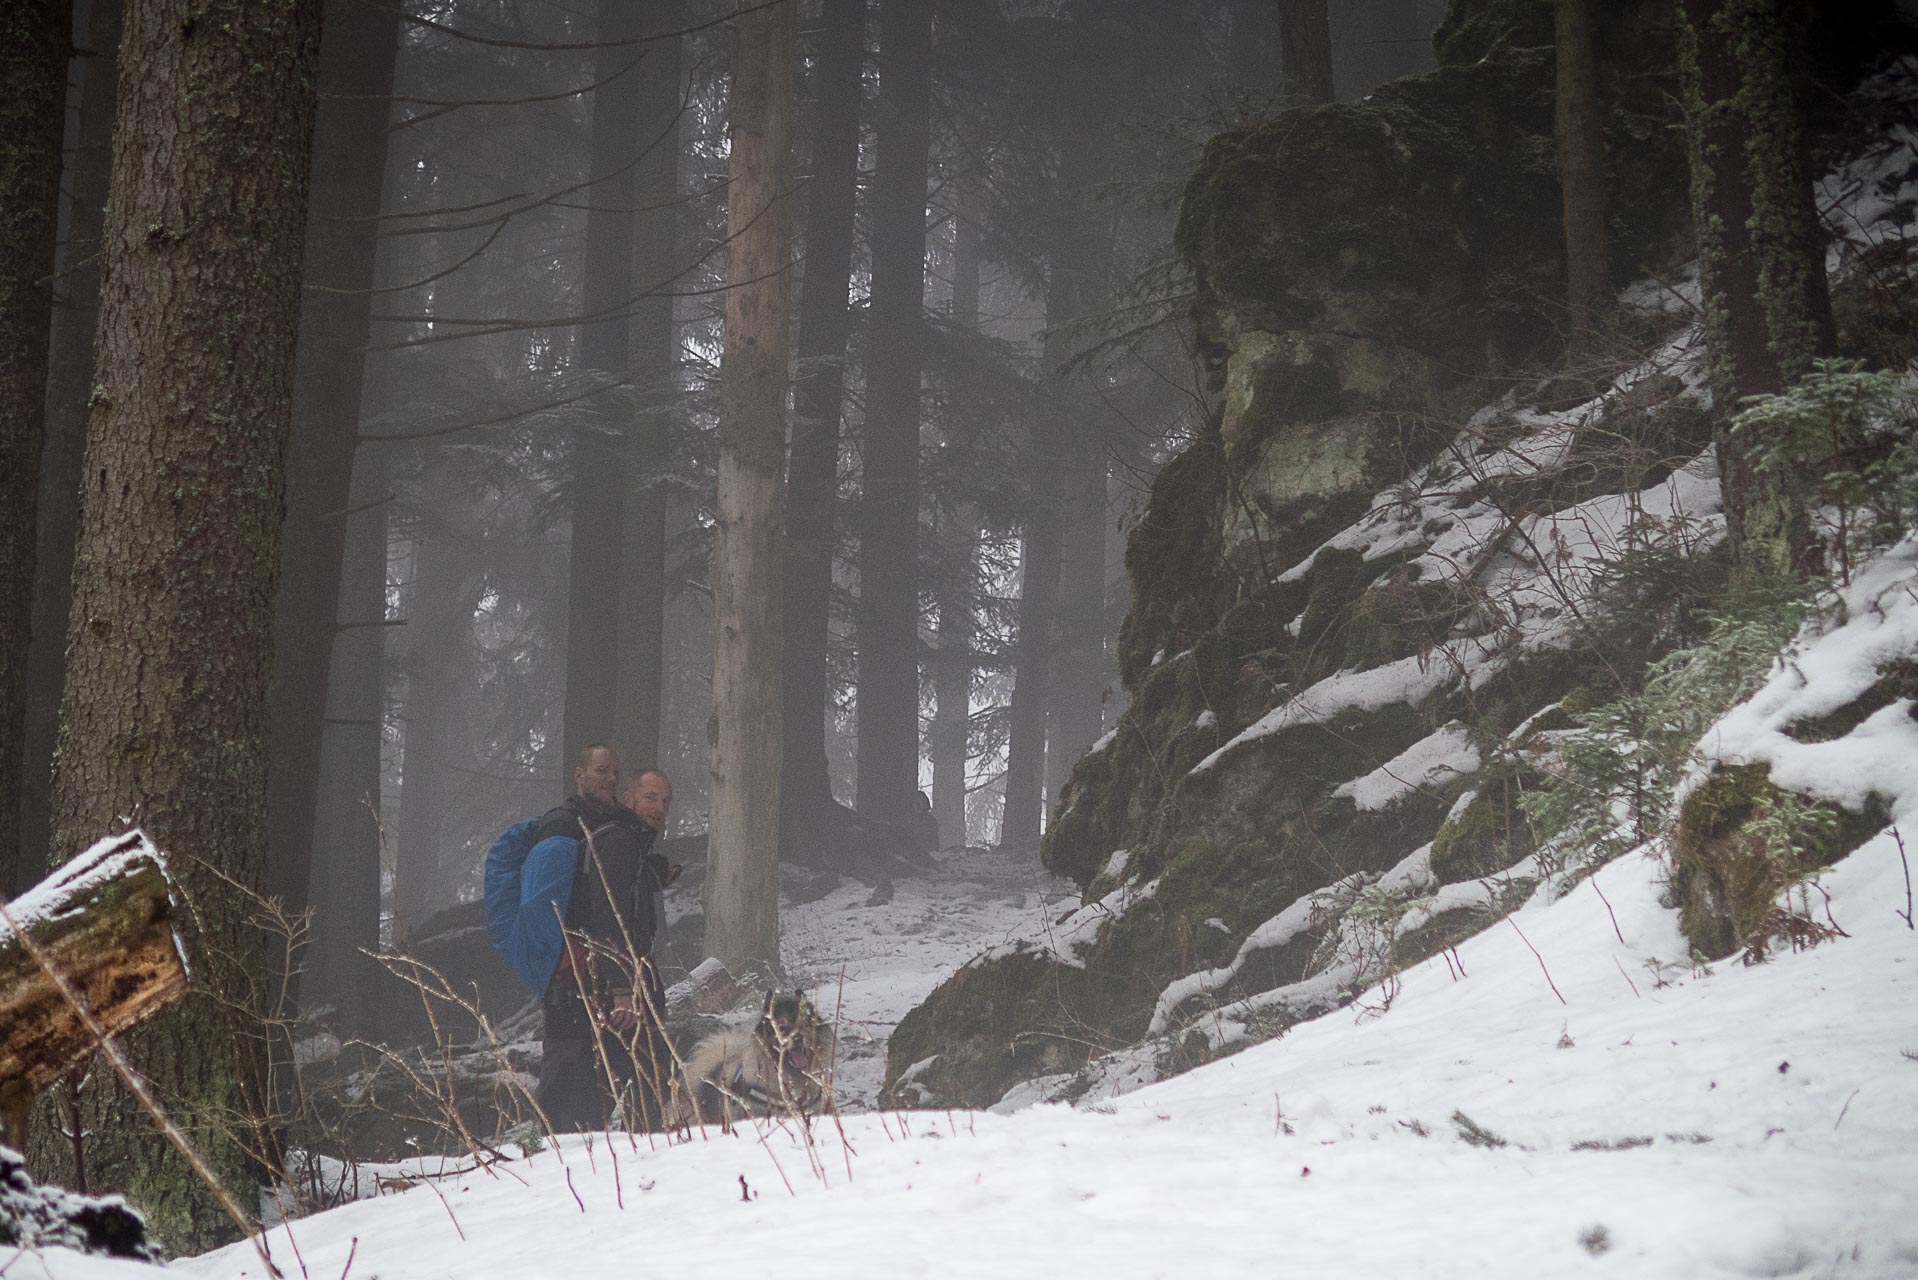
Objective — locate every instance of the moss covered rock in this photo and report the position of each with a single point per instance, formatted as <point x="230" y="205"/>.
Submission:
<point x="1741" y="841"/>
<point x="1171" y="558"/>
<point x="991" y="1024"/>
<point x="1491" y="833"/>
<point x="1360" y="268"/>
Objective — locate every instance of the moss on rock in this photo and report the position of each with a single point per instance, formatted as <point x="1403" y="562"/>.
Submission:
<point x="1896" y="680"/>
<point x="1741" y="840"/>
<point x="1491" y="833"/>
<point x="1171" y="558"/>
<point x="991" y="1024"/>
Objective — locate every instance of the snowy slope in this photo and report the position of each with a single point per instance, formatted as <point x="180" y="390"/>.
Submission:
<point x="1776" y="1105"/>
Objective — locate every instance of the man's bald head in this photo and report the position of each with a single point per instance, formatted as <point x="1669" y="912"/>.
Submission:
<point x="596" y="773"/>
<point x="650" y="795"/>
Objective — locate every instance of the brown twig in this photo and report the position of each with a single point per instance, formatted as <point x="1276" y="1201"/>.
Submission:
<point x="570" y="1187"/>
<point x="1541" y="959"/>
<point x="1906" y="863"/>
<point x="1626" y="976"/>
<point x="1608" y="911"/>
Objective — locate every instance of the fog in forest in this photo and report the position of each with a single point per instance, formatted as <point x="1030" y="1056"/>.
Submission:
<point x="503" y="462"/>
<point x="897" y="557"/>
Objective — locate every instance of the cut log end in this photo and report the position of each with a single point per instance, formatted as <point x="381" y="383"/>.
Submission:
<point x="104" y="923"/>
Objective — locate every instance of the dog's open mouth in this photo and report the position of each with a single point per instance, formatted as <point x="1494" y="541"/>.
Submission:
<point x="797" y="1055"/>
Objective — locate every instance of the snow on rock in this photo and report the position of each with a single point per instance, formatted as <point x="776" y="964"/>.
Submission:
<point x="1064" y="939"/>
<point x="1300" y="916"/>
<point x="1410" y="680"/>
<point x="1874" y="623"/>
<point x="39" y="1221"/>
<point x="1426" y="763"/>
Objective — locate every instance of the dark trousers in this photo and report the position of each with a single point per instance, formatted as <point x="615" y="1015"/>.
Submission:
<point x="574" y="1088"/>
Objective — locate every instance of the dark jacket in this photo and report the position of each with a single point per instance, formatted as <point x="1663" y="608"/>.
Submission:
<point x="617" y="873"/>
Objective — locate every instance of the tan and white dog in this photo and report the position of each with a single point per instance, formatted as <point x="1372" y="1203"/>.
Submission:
<point x="783" y="1065"/>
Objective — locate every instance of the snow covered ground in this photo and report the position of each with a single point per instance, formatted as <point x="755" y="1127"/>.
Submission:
<point x="1656" y="1120"/>
<point x="893" y="953"/>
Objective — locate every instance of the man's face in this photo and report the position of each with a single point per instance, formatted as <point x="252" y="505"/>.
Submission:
<point x="599" y="780"/>
<point x="651" y="797"/>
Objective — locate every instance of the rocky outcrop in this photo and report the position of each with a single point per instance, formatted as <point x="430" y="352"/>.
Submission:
<point x="1345" y="591"/>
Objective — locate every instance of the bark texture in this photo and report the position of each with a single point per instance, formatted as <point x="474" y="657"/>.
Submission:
<point x="33" y="69"/>
<point x="742" y="879"/>
<point x="438" y="662"/>
<point x="818" y="405"/>
<point x="1032" y="654"/>
<point x="169" y="650"/>
<point x="888" y="618"/>
<point x="1761" y="262"/>
<point x="1252" y="57"/>
<point x="1081" y="667"/>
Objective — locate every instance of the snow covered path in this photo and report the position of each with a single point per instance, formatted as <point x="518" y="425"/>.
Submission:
<point x="895" y="952"/>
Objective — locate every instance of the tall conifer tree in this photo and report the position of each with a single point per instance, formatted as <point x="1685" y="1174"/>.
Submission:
<point x="164" y="716"/>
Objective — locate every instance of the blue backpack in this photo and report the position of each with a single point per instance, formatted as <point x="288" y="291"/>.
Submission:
<point x="529" y="885"/>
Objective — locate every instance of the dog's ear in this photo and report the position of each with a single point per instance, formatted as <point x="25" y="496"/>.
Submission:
<point x="772" y="997"/>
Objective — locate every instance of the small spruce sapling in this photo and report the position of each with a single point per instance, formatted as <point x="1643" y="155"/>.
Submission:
<point x="1834" y="424"/>
<point x="1615" y="775"/>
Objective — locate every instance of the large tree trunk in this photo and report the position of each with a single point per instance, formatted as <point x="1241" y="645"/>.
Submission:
<point x="949" y="740"/>
<point x="1078" y="680"/>
<point x="742" y="879"/>
<point x="600" y="448"/>
<point x="1761" y="264"/>
<point x="818" y="403"/>
<point x="357" y="54"/>
<point x="1033" y="646"/>
<point x="69" y="383"/>
<point x="888" y="618"/>
<point x="164" y="716"/>
<point x="1305" y="50"/>
<point x="1252" y="59"/>
<point x="1376" y="41"/>
<point x="1580" y="130"/>
<point x="655" y="360"/>
<point x="1080" y="666"/>
<point x="34" y="38"/>
<point x="439" y="665"/>
<point x="345" y="885"/>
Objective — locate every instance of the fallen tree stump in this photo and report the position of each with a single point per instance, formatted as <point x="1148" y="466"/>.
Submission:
<point x="103" y="922"/>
